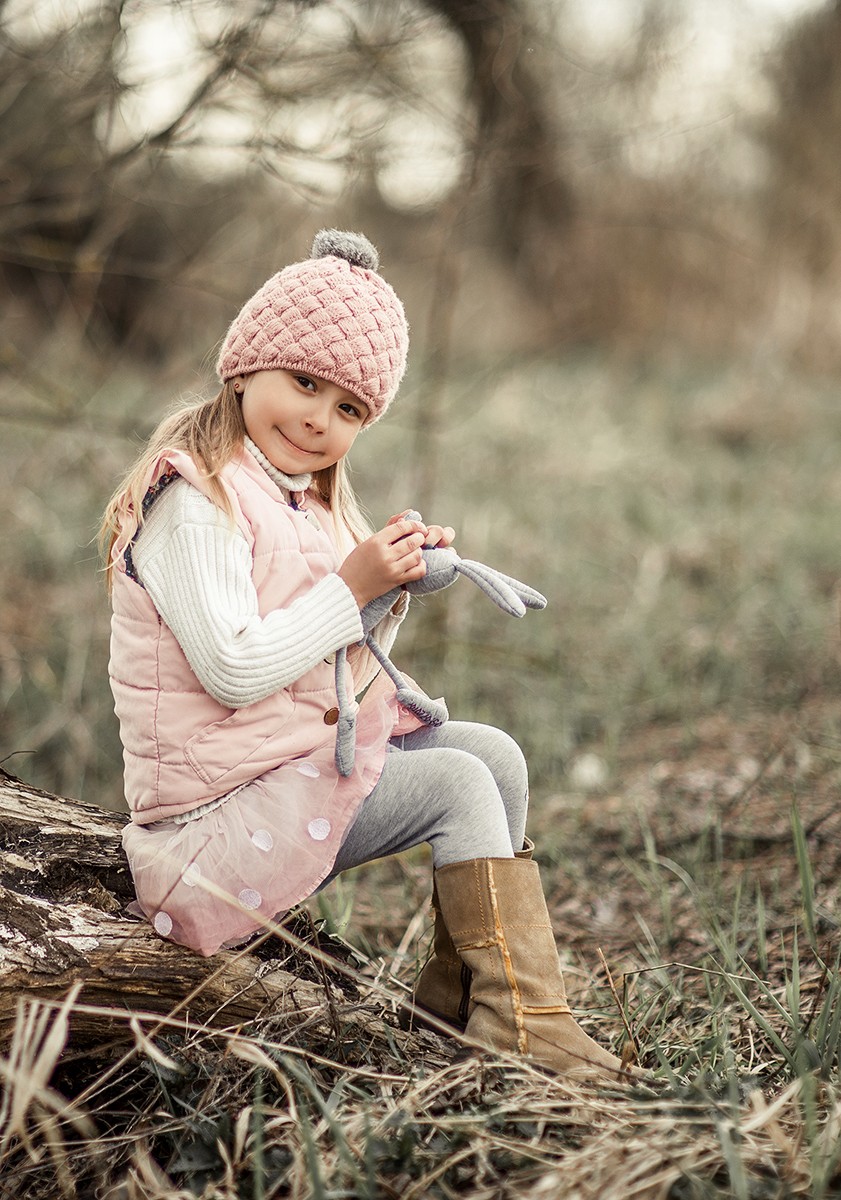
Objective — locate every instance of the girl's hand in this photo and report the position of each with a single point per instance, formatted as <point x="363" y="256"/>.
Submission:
<point x="385" y="560"/>
<point x="436" y="535"/>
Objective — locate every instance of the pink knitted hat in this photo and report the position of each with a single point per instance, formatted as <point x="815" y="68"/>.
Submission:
<point x="332" y="316"/>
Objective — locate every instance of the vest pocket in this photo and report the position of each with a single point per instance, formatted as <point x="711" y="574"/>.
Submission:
<point x="226" y="745"/>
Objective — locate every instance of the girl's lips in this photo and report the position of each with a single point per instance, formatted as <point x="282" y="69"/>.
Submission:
<point x="294" y="445"/>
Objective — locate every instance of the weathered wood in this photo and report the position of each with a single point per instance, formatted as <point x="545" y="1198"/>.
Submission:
<point x="64" y="886"/>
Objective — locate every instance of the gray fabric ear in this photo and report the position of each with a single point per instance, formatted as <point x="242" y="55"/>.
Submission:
<point x="529" y="596"/>
<point x="495" y="587"/>
<point x="508" y="594"/>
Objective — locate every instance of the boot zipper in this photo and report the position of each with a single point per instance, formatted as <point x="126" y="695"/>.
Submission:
<point x="464" y="1003"/>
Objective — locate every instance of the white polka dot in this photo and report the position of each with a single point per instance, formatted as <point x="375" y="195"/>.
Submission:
<point x="163" y="923"/>
<point x="262" y="839"/>
<point x="249" y="898"/>
<point x="309" y="769"/>
<point x="319" y="829"/>
<point x="191" y="874"/>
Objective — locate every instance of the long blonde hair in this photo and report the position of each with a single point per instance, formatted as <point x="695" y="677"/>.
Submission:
<point x="212" y="432"/>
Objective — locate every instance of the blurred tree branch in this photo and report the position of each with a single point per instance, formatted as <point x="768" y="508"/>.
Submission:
<point x="85" y="209"/>
<point x="531" y="202"/>
<point x="802" y="137"/>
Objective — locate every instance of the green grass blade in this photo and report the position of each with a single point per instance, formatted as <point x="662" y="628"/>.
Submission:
<point x="807" y="880"/>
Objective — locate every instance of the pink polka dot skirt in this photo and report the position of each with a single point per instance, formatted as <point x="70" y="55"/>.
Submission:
<point x="214" y="880"/>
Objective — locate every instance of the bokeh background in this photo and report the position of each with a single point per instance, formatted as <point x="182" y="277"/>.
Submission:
<point x="615" y="225"/>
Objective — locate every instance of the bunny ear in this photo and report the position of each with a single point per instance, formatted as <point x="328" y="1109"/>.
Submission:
<point x="530" y="597"/>
<point x="509" y="594"/>
<point x="494" y="585"/>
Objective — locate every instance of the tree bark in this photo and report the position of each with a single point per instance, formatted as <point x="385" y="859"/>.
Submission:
<point x="64" y="887"/>
<point x="532" y="201"/>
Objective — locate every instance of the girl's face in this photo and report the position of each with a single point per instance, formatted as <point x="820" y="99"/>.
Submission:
<point x="300" y="422"/>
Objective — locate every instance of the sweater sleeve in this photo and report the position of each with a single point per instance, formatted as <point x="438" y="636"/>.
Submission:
<point x="197" y="571"/>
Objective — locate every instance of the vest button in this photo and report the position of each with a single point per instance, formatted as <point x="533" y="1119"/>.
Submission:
<point x="331" y="717"/>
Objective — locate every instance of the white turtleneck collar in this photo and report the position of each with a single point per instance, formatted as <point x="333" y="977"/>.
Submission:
<point x="288" y="483"/>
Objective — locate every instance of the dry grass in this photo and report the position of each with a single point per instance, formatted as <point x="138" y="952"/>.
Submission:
<point x="706" y="870"/>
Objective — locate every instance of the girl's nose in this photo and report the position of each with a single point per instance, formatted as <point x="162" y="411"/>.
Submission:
<point x="316" y="419"/>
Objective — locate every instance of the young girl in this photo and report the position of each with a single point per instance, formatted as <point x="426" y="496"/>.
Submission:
<point x="238" y="562"/>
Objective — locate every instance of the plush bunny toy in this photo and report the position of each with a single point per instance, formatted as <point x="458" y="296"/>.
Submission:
<point x="443" y="566"/>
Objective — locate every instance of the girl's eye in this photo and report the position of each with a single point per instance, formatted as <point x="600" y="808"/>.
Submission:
<point x="351" y="409"/>
<point x="305" y="382"/>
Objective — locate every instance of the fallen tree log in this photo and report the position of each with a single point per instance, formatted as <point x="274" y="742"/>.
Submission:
<point x="64" y="887"/>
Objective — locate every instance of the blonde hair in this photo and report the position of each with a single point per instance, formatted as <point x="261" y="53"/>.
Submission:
<point x="212" y="432"/>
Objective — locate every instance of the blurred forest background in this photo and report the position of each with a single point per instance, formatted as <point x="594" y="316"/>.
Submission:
<point x="616" y="227"/>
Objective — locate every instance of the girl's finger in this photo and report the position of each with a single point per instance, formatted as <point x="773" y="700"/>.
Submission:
<point x="403" y="529"/>
<point x="413" y="566"/>
<point x="440" y="535"/>
<point x="409" y="547"/>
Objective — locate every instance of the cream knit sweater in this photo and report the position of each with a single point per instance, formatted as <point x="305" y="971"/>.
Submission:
<point x="197" y="571"/>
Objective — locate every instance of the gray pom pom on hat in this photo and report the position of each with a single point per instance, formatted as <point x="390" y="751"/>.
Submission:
<point x="341" y="243"/>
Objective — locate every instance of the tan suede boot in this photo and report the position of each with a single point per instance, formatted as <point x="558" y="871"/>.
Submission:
<point x="443" y="986"/>
<point x="496" y="914"/>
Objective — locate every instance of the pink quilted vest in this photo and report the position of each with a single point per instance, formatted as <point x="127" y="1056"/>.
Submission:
<point x="181" y="747"/>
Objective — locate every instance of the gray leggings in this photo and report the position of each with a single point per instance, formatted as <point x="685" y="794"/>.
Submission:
<point x="461" y="787"/>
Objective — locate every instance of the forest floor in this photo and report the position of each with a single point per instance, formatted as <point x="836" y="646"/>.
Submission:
<point x="694" y="891"/>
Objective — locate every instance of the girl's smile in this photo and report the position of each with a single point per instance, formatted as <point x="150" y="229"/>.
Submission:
<point x="300" y="422"/>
